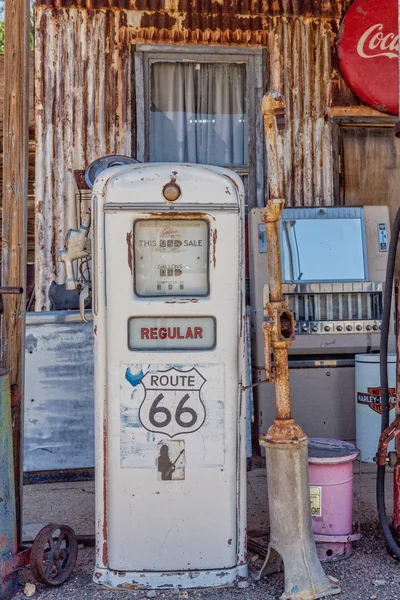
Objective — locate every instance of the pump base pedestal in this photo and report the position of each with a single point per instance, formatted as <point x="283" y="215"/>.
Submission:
<point x="290" y="522"/>
<point x="155" y="580"/>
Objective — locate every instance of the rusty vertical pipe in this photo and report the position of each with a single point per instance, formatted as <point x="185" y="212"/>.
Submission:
<point x="282" y="395"/>
<point x="280" y="331"/>
<point x="271" y="218"/>
<point x="273" y="109"/>
<point x="285" y="444"/>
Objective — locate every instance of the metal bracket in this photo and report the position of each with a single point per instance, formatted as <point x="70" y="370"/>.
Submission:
<point x="267" y="329"/>
<point x="386" y="437"/>
<point x="262" y="239"/>
<point x="84" y="295"/>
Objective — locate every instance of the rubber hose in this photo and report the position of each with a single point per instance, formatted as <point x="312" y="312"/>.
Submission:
<point x="387" y="307"/>
<point x="387" y="303"/>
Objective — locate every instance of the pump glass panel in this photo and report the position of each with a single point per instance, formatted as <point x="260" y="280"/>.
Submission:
<point x="323" y="250"/>
<point x="171" y="257"/>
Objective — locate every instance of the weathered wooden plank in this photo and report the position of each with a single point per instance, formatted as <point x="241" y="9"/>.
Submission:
<point x="31" y="89"/>
<point x="15" y="202"/>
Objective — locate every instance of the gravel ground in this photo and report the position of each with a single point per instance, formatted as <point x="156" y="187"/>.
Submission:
<point x="369" y="574"/>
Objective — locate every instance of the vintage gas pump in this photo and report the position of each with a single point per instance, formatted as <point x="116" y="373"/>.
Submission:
<point x="168" y="312"/>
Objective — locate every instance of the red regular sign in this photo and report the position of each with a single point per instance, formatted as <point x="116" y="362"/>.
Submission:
<point x="369" y="52"/>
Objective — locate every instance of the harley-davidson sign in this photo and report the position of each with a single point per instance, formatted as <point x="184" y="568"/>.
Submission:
<point x="373" y="398"/>
<point x="369" y="52"/>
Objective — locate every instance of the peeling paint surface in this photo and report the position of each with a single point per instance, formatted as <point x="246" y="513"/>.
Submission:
<point x="129" y="236"/>
<point x="139" y="446"/>
<point x="8" y="532"/>
<point x="59" y="399"/>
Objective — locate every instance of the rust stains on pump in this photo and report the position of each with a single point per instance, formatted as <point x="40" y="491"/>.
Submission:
<point x="214" y="247"/>
<point x="129" y="236"/>
<point x="186" y="301"/>
<point x="176" y="215"/>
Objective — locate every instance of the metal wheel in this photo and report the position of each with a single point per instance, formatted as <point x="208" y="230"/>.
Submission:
<point x="53" y="554"/>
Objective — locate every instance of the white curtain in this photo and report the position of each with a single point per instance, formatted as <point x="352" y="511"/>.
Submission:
<point x="198" y="113"/>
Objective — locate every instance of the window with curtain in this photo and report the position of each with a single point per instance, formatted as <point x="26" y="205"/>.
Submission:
<point x="198" y="113"/>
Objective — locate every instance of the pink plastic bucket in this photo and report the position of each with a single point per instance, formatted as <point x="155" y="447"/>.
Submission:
<point x="330" y="464"/>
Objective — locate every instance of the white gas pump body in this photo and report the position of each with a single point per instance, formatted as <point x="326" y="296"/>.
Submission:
<point x="168" y="313"/>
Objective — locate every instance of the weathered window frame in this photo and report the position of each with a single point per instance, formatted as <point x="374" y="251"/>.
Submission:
<point x="255" y="60"/>
<point x="340" y="123"/>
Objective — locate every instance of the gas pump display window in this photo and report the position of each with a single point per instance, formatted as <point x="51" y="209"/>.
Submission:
<point x="171" y="257"/>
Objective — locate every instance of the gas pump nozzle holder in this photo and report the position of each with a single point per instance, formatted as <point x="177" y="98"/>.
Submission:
<point x="285" y="443"/>
<point x="75" y="243"/>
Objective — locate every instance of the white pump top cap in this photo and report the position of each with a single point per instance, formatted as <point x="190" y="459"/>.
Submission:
<point x="199" y="185"/>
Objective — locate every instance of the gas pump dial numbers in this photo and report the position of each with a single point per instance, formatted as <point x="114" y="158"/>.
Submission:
<point x="171" y="257"/>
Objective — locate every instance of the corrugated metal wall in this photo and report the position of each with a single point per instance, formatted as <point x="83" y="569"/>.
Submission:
<point x="84" y="90"/>
<point x="83" y="111"/>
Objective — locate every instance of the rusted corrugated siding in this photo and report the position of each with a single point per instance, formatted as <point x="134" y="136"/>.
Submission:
<point x="219" y="10"/>
<point x="300" y="67"/>
<point x="83" y="90"/>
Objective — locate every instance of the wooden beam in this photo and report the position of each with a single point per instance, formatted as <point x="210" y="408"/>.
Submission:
<point x="14" y="222"/>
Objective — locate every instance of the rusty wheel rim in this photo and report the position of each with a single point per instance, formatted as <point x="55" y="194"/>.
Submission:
<point x="53" y="554"/>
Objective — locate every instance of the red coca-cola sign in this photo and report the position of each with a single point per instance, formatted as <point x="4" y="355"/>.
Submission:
<point x="369" y="52"/>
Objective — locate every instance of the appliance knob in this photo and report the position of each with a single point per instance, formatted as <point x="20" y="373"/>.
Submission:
<point x="339" y="328"/>
<point x="349" y="327"/>
<point x="368" y="328"/>
<point x="327" y="328"/>
<point x="375" y="327"/>
<point x="359" y="327"/>
<point x="314" y="328"/>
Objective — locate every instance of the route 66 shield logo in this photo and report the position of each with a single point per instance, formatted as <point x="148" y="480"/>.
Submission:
<point x="172" y="403"/>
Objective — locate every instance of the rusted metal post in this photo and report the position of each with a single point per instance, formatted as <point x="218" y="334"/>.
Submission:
<point x="285" y="443"/>
<point x="14" y="226"/>
<point x="278" y="336"/>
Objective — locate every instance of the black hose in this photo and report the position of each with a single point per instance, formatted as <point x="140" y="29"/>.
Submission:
<point x="387" y="307"/>
<point x="387" y="302"/>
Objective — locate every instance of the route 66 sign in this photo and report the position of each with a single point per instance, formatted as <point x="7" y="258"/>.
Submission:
<point x="172" y="403"/>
